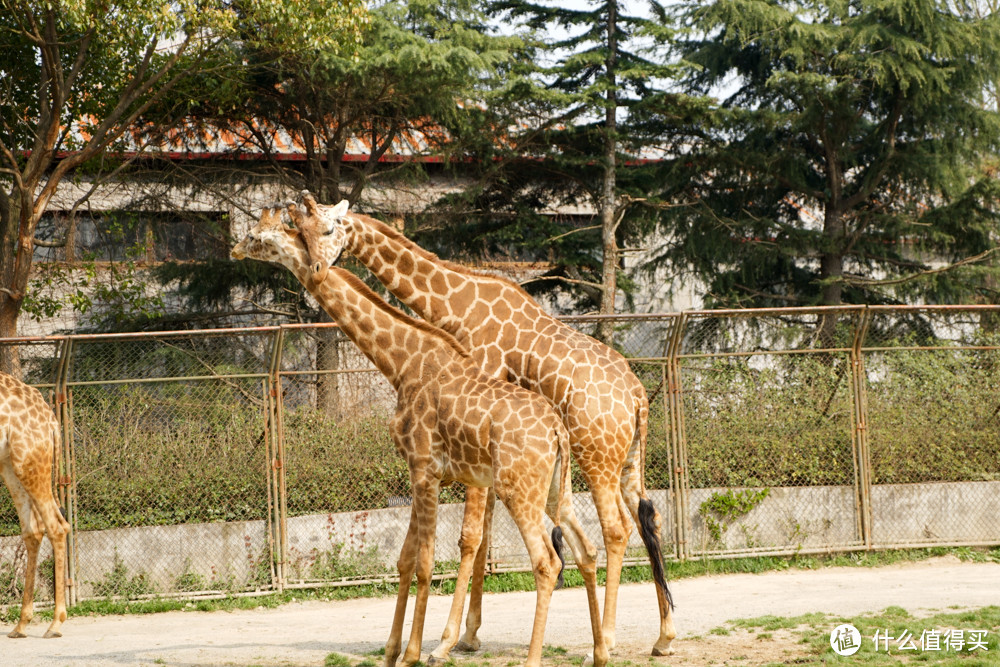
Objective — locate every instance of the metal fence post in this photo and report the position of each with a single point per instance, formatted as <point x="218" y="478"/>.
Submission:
<point x="277" y="505"/>
<point x="65" y="473"/>
<point x="861" y="453"/>
<point x="678" y="440"/>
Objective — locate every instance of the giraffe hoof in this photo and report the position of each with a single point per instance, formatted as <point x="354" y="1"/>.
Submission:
<point x="669" y="650"/>
<point x="14" y="634"/>
<point x="468" y="646"/>
<point x="588" y="660"/>
<point x="52" y="634"/>
<point x="434" y="660"/>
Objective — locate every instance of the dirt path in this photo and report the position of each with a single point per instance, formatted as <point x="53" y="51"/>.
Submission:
<point x="305" y="633"/>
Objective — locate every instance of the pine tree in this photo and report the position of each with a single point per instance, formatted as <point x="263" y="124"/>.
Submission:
<point x="845" y="153"/>
<point x="564" y="108"/>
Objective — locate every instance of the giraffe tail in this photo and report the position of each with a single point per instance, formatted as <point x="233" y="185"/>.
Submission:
<point x="557" y="544"/>
<point x="649" y="531"/>
<point x="562" y="470"/>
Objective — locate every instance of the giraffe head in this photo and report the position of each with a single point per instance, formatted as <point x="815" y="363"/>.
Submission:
<point x="268" y="239"/>
<point x="324" y="230"/>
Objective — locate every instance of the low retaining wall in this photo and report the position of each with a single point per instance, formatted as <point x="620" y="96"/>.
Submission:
<point x="234" y="556"/>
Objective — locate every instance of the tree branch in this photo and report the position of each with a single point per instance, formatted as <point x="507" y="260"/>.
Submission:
<point x="869" y="282"/>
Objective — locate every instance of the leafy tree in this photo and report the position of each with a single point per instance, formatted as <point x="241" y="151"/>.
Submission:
<point x="565" y="107"/>
<point x="75" y="75"/>
<point x="844" y="154"/>
<point x="415" y="69"/>
<point x="414" y="72"/>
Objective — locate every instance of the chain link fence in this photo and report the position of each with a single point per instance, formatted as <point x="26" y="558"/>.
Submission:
<point x="239" y="461"/>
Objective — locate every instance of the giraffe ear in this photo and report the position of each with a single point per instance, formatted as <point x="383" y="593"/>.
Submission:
<point x="340" y="210"/>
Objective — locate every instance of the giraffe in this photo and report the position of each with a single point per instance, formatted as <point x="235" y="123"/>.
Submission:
<point x="600" y="400"/>
<point x="29" y="438"/>
<point x="452" y="422"/>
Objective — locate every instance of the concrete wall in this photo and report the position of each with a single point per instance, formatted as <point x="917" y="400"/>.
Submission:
<point x="234" y="555"/>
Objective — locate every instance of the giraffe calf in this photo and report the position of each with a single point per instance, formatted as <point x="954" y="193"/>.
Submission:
<point x="29" y="437"/>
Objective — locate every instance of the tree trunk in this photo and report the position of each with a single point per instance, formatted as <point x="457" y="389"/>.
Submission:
<point x="328" y="343"/>
<point x="831" y="266"/>
<point x="10" y="360"/>
<point x="13" y="285"/>
<point x="609" y="262"/>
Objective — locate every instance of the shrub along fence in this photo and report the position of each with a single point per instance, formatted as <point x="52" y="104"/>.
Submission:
<point x="241" y="461"/>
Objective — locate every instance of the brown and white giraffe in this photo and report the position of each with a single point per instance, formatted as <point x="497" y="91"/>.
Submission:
<point x="601" y="401"/>
<point x="29" y="439"/>
<point x="453" y="422"/>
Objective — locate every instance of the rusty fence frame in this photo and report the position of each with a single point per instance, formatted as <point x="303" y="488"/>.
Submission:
<point x="676" y="355"/>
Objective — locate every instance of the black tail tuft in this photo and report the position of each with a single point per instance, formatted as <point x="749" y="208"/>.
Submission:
<point x="557" y="544"/>
<point x="651" y="538"/>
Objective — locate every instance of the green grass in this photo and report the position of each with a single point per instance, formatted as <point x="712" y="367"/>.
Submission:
<point x="814" y="633"/>
<point x="337" y="660"/>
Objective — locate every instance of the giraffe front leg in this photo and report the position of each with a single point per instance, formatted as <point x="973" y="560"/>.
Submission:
<point x="425" y="500"/>
<point x="405" y="565"/>
<point x="470" y="642"/>
<point x="469" y="543"/>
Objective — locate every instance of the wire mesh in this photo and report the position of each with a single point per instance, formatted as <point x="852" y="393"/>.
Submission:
<point x="769" y="434"/>
<point x="169" y="446"/>
<point x="932" y="389"/>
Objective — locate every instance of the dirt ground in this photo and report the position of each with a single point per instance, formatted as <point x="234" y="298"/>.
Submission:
<point x="305" y="633"/>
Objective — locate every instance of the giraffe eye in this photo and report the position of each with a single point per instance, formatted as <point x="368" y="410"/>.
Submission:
<point x="328" y="232"/>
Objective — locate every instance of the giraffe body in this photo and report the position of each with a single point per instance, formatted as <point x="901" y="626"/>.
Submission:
<point x="29" y="436"/>
<point x="600" y="400"/>
<point x="452" y="422"/>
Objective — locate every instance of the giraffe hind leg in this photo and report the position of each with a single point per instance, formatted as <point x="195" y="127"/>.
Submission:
<point x="649" y="522"/>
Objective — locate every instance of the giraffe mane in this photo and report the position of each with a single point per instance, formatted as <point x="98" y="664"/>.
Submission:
<point x="428" y="255"/>
<point x="359" y="286"/>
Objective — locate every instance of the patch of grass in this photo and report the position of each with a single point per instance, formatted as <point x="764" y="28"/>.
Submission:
<point x="772" y="623"/>
<point x="337" y="660"/>
<point x="892" y="623"/>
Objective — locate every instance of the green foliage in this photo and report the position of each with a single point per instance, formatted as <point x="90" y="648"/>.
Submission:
<point x="555" y="147"/>
<point x="336" y="660"/>
<point x="953" y="435"/>
<point x="851" y="144"/>
<point x="111" y="293"/>
<point x="81" y="77"/>
<point x="117" y="582"/>
<point x="786" y="422"/>
<point x="165" y="455"/>
<point x="190" y="581"/>
<point x="11" y="580"/>
<point x="722" y="508"/>
<point x="341" y="466"/>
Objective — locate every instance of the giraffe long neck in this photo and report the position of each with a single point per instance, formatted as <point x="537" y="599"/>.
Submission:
<point x="399" y="346"/>
<point x="418" y="279"/>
